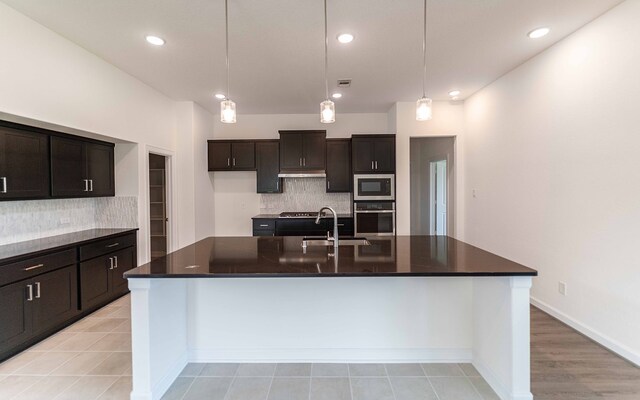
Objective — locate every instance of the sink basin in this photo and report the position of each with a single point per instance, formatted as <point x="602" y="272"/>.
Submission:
<point x="346" y="241"/>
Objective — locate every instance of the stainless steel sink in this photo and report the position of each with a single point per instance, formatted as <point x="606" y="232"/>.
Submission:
<point x="346" y="241"/>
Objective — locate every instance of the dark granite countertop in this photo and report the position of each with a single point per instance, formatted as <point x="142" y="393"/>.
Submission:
<point x="253" y="257"/>
<point x="15" y="251"/>
<point x="277" y="216"/>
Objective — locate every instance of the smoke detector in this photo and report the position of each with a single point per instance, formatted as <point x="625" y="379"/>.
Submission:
<point x="344" y="83"/>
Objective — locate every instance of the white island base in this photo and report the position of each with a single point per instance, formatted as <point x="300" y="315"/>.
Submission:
<point x="482" y="320"/>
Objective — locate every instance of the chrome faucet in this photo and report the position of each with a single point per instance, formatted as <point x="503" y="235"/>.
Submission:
<point x="335" y="224"/>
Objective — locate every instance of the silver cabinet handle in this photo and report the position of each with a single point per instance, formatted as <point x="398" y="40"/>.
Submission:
<point x="113" y="244"/>
<point x="304" y="161"/>
<point x="116" y="261"/>
<point x="29" y="292"/>
<point x="328" y="184"/>
<point x="264" y="225"/>
<point x="33" y="267"/>
<point x="234" y="161"/>
<point x="111" y="261"/>
<point x="37" y="290"/>
<point x="376" y="165"/>
<point x="372" y="165"/>
<point x="301" y="161"/>
<point x="86" y="185"/>
<point x="91" y="185"/>
<point x="4" y="184"/>
<point x="278" y="184"/>
<point x="228" y="162"/>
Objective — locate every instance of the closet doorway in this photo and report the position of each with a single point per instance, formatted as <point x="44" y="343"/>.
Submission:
<point x="158" y="195"/>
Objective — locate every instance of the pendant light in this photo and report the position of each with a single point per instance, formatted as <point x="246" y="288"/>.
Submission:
<point x="327" y="108"/>
<point x="227" y="107"/>
<point x="423" y="105"/>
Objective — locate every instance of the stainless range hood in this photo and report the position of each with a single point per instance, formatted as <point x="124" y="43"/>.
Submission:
<point x="303" y="174"/>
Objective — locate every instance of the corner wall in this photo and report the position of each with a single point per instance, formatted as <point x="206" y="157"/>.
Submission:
<point x="552" y="151"/>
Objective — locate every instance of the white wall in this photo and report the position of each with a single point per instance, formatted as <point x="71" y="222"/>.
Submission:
<point x="552" y="150"/>
<point x="47" y="78"/>
<point x="234" y="196"/>
<point x="448" y="120"/>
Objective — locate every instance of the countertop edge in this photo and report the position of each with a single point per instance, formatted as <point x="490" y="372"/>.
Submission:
<point x="332" y="275"/>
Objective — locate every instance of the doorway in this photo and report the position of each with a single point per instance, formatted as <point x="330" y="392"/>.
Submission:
<point x="432" y="185"/>
<point x="438" y="198"/>
<point x="158" y="219"/>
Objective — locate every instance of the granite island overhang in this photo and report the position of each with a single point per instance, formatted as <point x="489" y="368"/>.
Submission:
<point x="399" y="299"/>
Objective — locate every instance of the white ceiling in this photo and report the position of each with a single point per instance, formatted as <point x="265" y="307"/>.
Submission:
<point x="276" y="46"/>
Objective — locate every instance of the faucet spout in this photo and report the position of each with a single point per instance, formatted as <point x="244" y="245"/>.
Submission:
<point x="335" y="223"/>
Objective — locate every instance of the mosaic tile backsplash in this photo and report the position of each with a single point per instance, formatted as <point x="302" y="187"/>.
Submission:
<point x="33" y="219"/>
<point x="304" y="194"/>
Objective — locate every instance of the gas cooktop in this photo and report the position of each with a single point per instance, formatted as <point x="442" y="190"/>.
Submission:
<point x="299" y="214"/>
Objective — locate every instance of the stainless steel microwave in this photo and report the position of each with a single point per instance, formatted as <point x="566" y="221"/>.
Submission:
<point x="374" y="187"/>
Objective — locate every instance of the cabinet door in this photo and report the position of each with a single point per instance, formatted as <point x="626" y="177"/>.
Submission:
<point x="124" y="260"/>
<point x="338" y="165"/>
<point x="219" y="156"/>
<point x="291" y="151"/>
<point x="68" y="168"/>
<point x="384" y="155"/>
<point x="100" y="169"/>
<point x="243" y="156"/>
<point x="268" y="166"/>
<point x="95" y="275"/>
<point x="55" y="298"/>
<point x="24" y="164"/>
<point x="15" y="315"/>
<point x="362" y="155"/>
<point x="314" y="150"/>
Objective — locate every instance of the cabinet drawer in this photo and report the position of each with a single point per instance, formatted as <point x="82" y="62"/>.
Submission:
<point x="264" y="224"/>
<point x="105" y="246"/>
<point x="35" y="266"/>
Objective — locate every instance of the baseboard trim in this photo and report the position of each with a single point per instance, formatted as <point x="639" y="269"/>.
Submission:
<point x="605" y="341"/>
<point x="497" y="385"/>
<point x="373" y="355"/>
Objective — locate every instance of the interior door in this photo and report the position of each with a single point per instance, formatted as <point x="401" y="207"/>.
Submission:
<point x="100" y="169"/>
<point x="24" y="164"/>
<point x="438" y="187"/>
<point x="55" y="298"/>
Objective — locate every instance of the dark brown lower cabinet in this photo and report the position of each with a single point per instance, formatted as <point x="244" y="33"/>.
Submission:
<point x="37" y="305"/>
<point x="101" y="278"/>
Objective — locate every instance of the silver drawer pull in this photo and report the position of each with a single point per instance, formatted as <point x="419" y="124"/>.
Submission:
<point x="113" y="245"/>
<point x="116" y="261"/>
<point x="37" y="290"/>
<point x="264" y="225"/>
<point x="33" y="267"/>
<point x="111" y="262"/>
<point x="4" y="184"/>
<point x="30" y="292"/>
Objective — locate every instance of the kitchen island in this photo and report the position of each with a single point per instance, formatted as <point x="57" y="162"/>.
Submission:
<point x="269" y="299"/>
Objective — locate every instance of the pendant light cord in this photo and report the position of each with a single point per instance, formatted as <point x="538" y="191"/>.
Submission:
<point x="226" y="33"/>
<point x="424" y="53"/>
<point x="326" y="59"/>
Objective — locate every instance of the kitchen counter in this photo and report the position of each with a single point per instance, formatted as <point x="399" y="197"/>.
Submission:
<point x="255" y="257"/>
<point x="412" y="299"/>
<point x="277" y="216"/>
<point x="14" y="251"/>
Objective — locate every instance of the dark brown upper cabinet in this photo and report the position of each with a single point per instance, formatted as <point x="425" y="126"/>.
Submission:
<point x="24" y="164"/>
<point x="302" y="151"/>
<point x="81" y="169"/>
<point x="372" y="154"/>
<point x="231" y="155"/>
<point x="268" y="166"/>
<point x="339" y="176"/>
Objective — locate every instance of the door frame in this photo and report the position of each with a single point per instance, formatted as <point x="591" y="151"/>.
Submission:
<point x="170" y="195"/>
<point x="432" y="193"/>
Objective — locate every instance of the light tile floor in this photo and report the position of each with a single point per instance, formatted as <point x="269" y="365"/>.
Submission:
<point x="91" y="360"/>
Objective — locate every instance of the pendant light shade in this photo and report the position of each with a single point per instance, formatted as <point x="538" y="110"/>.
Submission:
<point x="423" y="109"/>
<point x="228" y="112"/>
<point x="227" y="107"/>
<point x="423" y="105"/>
<point x="327" y="107"/>
<point x="327" y="112"/>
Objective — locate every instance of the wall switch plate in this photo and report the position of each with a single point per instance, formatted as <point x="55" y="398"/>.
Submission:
<point x="562" y="288"/>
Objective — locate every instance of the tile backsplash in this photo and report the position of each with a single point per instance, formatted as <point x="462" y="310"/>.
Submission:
<point x="304" y="194"/>
<point x="33" y="219"/>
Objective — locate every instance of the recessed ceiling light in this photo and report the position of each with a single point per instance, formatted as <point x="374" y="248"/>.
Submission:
<point x="155" y="40"/>
<point x="220" y="96"/>
<point x="345" y="38"/>
<point x="538" y="32"/>
<point x="454" y="93"/>
<point x="336" y="95"/>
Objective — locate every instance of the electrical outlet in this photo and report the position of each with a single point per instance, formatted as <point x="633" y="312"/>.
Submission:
<point x="65" y="220"/>
<point x="562" y="288"/>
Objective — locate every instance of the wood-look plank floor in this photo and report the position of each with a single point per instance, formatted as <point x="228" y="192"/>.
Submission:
<point x="567" y="365"/>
